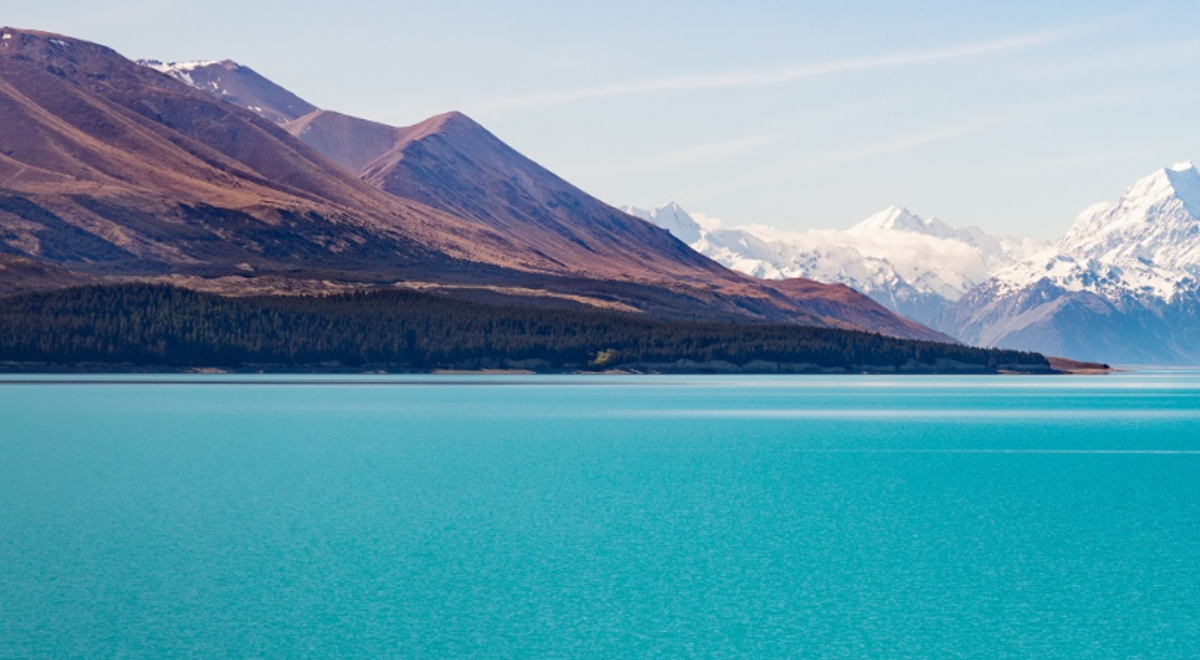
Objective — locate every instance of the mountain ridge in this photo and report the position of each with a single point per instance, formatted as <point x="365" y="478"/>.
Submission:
<point x="912" y="266"/>
<point x="239" y="85"/>
<point x="112" y="169"/>
<point x="1123" y="282"/>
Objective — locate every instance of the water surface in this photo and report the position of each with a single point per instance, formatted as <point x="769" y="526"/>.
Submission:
<point x="375" y="516"/>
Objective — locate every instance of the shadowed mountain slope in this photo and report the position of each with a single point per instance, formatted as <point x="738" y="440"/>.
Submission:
<point x="350" y="142"/>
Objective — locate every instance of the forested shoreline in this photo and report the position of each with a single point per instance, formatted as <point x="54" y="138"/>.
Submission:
<point x="148" y="327"/>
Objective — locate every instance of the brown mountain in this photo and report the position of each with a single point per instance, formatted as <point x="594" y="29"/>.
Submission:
<point x="239" y="85"/>
<point x="109" y="167"/>
<point x="350" y="142"/>
<point x="113" y="170"/>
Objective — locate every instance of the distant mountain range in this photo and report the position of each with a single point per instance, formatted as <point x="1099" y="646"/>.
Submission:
<point x="1122" y="283"/>
<point x="210" y="176"/>
<point x="913" y="266"/>
<point x="1121" y="286"/>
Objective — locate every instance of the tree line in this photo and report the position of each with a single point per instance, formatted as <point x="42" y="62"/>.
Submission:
<point x="157" y="325"/>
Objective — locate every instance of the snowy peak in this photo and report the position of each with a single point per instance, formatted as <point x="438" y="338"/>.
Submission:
<point x="1144" y="246"/>
<point x="182" y="71"/>
<point x="237" y="84"/>
<point x="1185" y="180"/>
<point x="1178" y="181"/>
<point x="175" y="68"/>
<point x="1155" y="223"/>
<point x="897" y="218"/>
<point x="913" y="266"/>
<point x="894" y="218"/>
<point x="1122" y="285"/>
<point x="733" y="248"/>
<point x="671" y="217"/>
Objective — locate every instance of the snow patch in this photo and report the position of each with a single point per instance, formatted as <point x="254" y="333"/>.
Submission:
<point x="182" y="71"/>
<point x="170" y="67"/>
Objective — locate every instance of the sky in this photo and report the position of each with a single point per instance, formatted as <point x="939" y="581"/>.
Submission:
<point x="1013" y="116"/>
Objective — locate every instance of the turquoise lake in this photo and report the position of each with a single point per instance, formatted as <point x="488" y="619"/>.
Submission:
<point x="600" y="516"/>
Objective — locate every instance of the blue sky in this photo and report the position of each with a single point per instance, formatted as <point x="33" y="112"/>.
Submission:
<point x="1013" y="116"/>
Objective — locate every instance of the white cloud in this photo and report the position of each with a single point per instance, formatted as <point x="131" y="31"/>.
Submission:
<point x="741" y="79"/>
<point x="706" y="222"/>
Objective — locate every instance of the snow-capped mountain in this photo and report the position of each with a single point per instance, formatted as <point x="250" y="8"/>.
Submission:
<point x="1122" y="285"/>
<point x="733" y="248"/>
<point x="237" y="84"/>
<point x="914" y="266"/>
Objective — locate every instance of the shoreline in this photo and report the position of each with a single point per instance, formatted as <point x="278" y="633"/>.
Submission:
<point x="1078" y="367"/>
<point x="688" y="368"/>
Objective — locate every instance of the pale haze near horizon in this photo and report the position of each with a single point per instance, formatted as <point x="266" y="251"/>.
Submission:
<point x="1011" y="116"/>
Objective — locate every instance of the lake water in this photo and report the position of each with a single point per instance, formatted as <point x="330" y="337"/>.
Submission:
<point x="499" y="516"/>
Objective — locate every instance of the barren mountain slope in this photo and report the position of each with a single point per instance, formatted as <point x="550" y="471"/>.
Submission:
<point x="113" y="169"/>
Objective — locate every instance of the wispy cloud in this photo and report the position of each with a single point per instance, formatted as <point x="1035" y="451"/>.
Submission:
<point x="916" y="139"/>
<point x="849" y="154"/>
<point x="902" y="142"/>
<point x="1117" y="61"/>
<point x="713" y="149"/>
<point x="742" y="79"/>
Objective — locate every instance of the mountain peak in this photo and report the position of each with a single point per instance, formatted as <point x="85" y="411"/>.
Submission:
<point x="1145" y="197"/>
<point x="12" y="33"/>
<point x="452" y="121"/>
<point x="168" y="67"/>
<point x="1121" y="283"/>
<point x="896" y="218"/>
<point x="673" y="218"/>
<point x="1153" y="227"/>
<point x="452" y="115"/>
<point x="1185" y="180"/>
<point x="57" y="50"/>
<point x="237" y="84"/>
